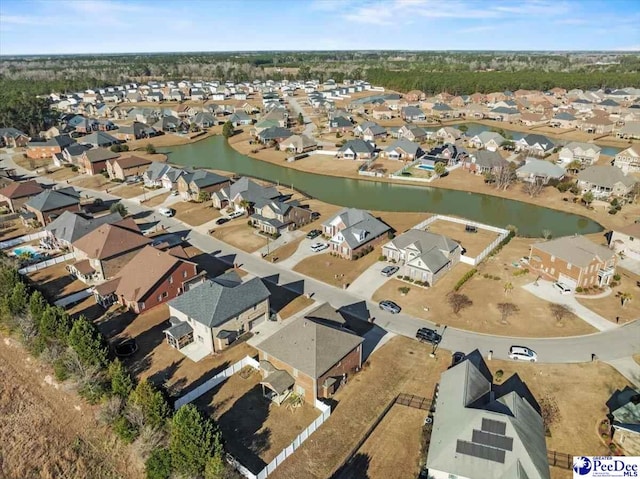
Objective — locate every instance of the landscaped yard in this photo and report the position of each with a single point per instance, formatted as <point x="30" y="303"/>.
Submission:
<point x="237" y="233"/>
<point x="254" y="428"/>
<point x="56" y="282"/>
<point x="473" y="243"/>
<point x="533" y="319"/>
<point x="336" y="271"/>
<point x="611" y="307"/>
<point x="358" y="405"/>
<point x="193" y="213"/>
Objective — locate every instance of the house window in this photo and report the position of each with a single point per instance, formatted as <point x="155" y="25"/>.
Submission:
<point x="184" y="274"/>
<point x="295" y="373"/>
<point x="569" y="266"/>
<point x="170" y="279"/>
<point x="553" y="258"/>
<point x="142" y="305"/>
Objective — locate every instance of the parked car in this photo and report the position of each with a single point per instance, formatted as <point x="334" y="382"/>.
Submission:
<point x="523" y="354"/>
<point x="133" y="179"/>
<point x="174" y="193"/>
<point x="389" y="306"/>
<point x="235" y="214"/>
<point x="563" y="288"/>
<point x="316" y="247"/>
<point x="221" y="221"/>
<point x="428" y="335"/>
<point x="313" y="234"/>
<point x="168" y="212"/>
<point x="389" y="271"/>
<point x="457" y="357"/>
<point x="471" y="229"/>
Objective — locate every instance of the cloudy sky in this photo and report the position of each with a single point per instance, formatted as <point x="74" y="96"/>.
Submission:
<point x="110" y="26"/>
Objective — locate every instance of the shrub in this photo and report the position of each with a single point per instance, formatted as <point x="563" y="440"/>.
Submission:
<point x="74" y="168"/>
<point x="616" y="277"/>
<point x="579" y="289"/>
<point x="60" y="370"/>
<point x="466" y="277"/>
<point x="574" y="190"/>
<point x="404" y="289"/>
<point x="613" y="211"/>
<point x="563" y="187"/>
<point x="105" y="174"/>
<point x="158" y="466"/>
<point x="125" y="430"/>
<point x="499" y="374"/>
<point x="382" y="258"/>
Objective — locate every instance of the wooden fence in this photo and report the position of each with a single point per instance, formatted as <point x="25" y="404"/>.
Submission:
<point x="416" y="402"/>
<point x="560" y="459"/>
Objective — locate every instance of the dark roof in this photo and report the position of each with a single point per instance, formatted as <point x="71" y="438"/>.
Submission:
<point x="50" y="200"/>
<point x="358" y="146"/>
<point x="542" y="140"/>
<point x="274" y="132"/>
<point x="96" y="155"/>
<point x="203" y="178"/>
<point x="73" y="226"/>
<point x="11" y="133"/>
<point x="61" y="140"/>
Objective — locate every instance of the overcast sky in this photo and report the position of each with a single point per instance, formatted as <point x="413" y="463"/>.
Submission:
<point x="111" y="26"/>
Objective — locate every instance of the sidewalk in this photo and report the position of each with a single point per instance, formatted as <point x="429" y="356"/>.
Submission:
<point x="628" y="368"/>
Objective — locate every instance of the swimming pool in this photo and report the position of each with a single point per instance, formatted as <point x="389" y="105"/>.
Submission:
<point x="26" y="250"/>
<point x="426" y="167"/>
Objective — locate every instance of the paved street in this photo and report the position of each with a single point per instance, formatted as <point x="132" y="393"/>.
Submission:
<point x="614" y="343"/>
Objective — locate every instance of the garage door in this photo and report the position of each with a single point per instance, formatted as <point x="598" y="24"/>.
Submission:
<point x="255" y="322"/>
<point x="572" y="283"/>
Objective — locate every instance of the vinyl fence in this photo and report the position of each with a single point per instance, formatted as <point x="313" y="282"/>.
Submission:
<point x="74" y="298"/>
<point x="22" y="239"/>
<point x="46" y="263"/>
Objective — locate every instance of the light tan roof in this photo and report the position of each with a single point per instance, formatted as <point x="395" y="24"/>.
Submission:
<point x="576" y="250"/>
<point x="84" y="267"/>
<point x="109" y="241"/>
<point x="145" y="270"/>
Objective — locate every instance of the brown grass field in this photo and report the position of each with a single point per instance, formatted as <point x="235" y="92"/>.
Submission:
<point x="237" y="233"/>
<point x="336" y="271"/>
<point x="193" y="213"/>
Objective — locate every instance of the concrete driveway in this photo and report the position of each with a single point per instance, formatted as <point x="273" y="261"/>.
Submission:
<point x="369" y="281"/>
<point x="546" y="291"/>
<point x="303" y="251"/>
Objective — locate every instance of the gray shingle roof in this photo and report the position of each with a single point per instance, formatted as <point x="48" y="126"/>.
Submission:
<point x="100" y="154"/>
<point x="405" y="145"/>
<point x="51" y="200"/>
<point x="361" y="226"/>
<point x="72" y="226"/>
<point x="541" y="140"/>
<point x="536" y="167"/>
<point x="213" y="304"/>
<point x="358" y="146"/>
<point x="605" y="175"/>
<point x="434" y="248"/>
<point x="489" y="159"/>
<point x="203" y="178"/>
<point x="576" y="250"/>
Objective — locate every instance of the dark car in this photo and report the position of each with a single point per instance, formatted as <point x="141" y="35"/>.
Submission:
<point x="221" y="221"/>
<point x="389" y="271"/>
<point x="428" y="335"/>
<point x="457" y="357"/>
<point x="313" y="234"/>
<point x="389" y="306"/>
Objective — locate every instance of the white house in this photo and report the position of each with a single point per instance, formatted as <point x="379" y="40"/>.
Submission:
<point x="628" y="160"/>
<point x="585" y="153"/>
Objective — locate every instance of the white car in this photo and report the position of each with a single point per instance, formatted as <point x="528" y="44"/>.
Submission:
<point x="236" y="214"/>
<point x="316" y="247"/>
<point x="168" y="212"/>
<point x="563" y="288"/>
<point x="523" y="354"/>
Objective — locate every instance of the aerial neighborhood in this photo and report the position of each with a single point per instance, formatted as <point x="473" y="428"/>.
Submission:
<point x="332" y="269"/>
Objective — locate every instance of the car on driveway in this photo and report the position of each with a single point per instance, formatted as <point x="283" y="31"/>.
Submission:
<point x="389" y="306"/>
<point x="223" y="220"/>
<point x="521" y="353"/>
<point x="389" y="271"/>
<point x="563" y="288"/>
<point x="316" y="247"/>
<point x="428" y="335"/>
<point x="168" y="212"/>
<point x="313" y="234"/>
<point x="235" y="214"/>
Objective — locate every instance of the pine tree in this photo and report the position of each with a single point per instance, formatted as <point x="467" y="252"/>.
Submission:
<point x="88" y="343"/>
<point x="228" y="130"/>
<point x="153" y="404"/>
<point x="192" y="441"/>
<point x="121" y="381"/>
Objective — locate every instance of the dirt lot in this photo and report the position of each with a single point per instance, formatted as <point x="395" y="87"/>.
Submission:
<point x="56" y="282"/>
<point x="195" y="214"/>
<point x="254" y="428"/>
<point x="413" y="373"/>
<point x="49" y="425"/>
<point x="533" y="320"/>
<point x="336" y="271"/>
<point x="473" y="243"/>
<point x="61" y="174"/>
<point x="95" y="182"/>
<point x="611" y="307"/>
<point x="237" y="233"/>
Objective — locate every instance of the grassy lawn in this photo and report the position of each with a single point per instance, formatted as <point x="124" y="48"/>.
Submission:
<point x="128" y="191"/>
<point x="610" y="306"/>
<point x="193" y="213"/>
<point x="55" y="282"/>
<point x="533" y="320"/>
<point x="286" y="250"/>
<point x="156" y="200"/>
<point x="336" y="271"/>
<point x="358" y="405"/>
<point x="295" y="306"/>
<point x="473" y="243"/>
<point x="94" y="182"/>
<point x="255" y="429"/>
<point x="237" y="233"/>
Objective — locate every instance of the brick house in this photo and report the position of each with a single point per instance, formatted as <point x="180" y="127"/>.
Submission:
<point x="127" y="166"/>
<point x="50" y="204"/>
<point x="48" y="148"/>
<point x="274" y="216"/>
<point x="190" y="184"/>
<point x="574" y="261"/>
<point x="13" y="138"/>
<point x="308" y="357"/>
<point x="94" y="161"/>
<point x="18" y="193"/>
<point x="352" y="230"/>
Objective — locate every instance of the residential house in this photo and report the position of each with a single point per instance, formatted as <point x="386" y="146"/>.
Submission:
<point x="624" y="414"/>
<point x="605" y="181"/>
<point x="448" y="134"/>
<point x="383" y="112"/>
<point x="599" y="125"/>
<point x="415" y="95"/>
<point x="99" y="139"/>
<point x="244" y="192"/>
<point x="273" y="216"/>
<point x="374" y="132"/>
<point x="404" y="150"/>
<point x="298" y="144"/>
<point x="412" y="113"/>
<point x="102" y="253"/>
<point x="484" y="430"/>
<point x="585" y="153"/>
<point x="94" y="161"/>
<point x="424" y="256"/>
<point x="71" y="154"/>
<point x="412" y="133"/>
<point x="16" y="194"/>
<point x="449" y="154"/>
<point x="533" y="119"/>
<point x="162" y="175"/>
<point x="125" y="167"/>
<point x="489" y="140"/>
<point x="13" y="138"/>
<point x="356" y="150"/>
<point x="170" y="123"/>
<point x="564" y="120"/>
<point x="630" y="131"/>
<point x="191" y="184"/>
<point x="574" y="261"/>
<point x="536" y="145"/>
<point x="204" y="120"/>
<point x="625" y="241"/>
<point x="628" y="160"/>
<point x="352" y="231"/>
<point x="211" y="316"/>
<point x="340" y="124"/>
<point x="48" y="205"/>
<point x="506" y="114"/>
<point x="535" y="170"/>
<point x="136" y="131"/>
<point x="70" y="227"/>
<point x="274" y="133"/>
<point x="485" y="162"/>
<point x="240" y="118"/>
<point x="48" y="148"/>
<point x="441" y="110"/>
<point x="308" y="357"/>
<point x="474" y="111"/>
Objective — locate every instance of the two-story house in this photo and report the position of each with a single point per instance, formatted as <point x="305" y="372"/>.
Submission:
<point x="626" y="241"/>
<point x="628" y="160"/>
<point x="16" y="194"/>
<point x="242" y="193"/>
<point x="127" y="167"/>
<point x="272" y="216"/>
<point x="94" y="161"/>
<point x="48" y="205"/>
<point x="605" y="181"/>
<point x="352" y="230"/>
<point x="574" y="261"/>
<point x="192" y="184"/>
<point x="69" y="227"/>
<point x="585" y="153"/>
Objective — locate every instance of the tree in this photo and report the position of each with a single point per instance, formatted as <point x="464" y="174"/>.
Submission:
<point x="119" y="208"/>
<point x="300" y="119"/>
<point x="534" y="187"/>
<point x="505" y="176"/>
<point x="458" y="302"/>
<point x="192" y="441"/>
<point x="507" y="310"/>
<point x="508" y="287"/>
<point x="587" y="198"/>
<point x="559" y="311"/>
<point x="158" y="466"/>
<point x="216" y="467"/>
<point x="440" y="169"/>
<point x="153" y="404"/>
<point x="55" y="323"/>
<point x="246" y="206"/>
<point x="88" y="343"/>
<point x="204" y="196"/>
<point x="575" y="166"/>
<point x="546" y="234"/>
<point x="625" y="297"/>
<point x="121" y="381"/>
<point x="228" y="130"/>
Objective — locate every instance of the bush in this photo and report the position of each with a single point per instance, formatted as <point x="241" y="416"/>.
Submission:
<point x="563" y="187"/>
<point x="579" y="289"/>
<point x="404" y="289"/>
<point x="574" y="190"/>
<point x="616" y="277"/>
<point x="499" y="374"/>
<point x="74" y="168"/>
<point x="466" y="277"/>
<point x="382" y="258"/>
<point x="553" y="182"/>
<point x="125" y="430"/>
<point x="158" y="466"/>
<point x="613" y="211"/>
<point x="60" y="370"/>
<point x="105" y="174"/>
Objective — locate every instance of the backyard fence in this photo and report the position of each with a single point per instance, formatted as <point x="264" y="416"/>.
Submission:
<point x="560" y="459"/>
<point x="46" y="263"/>
<point x="9" y="217"/>
<point x="74" y="298"/>
<point x="22" y="239"/>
